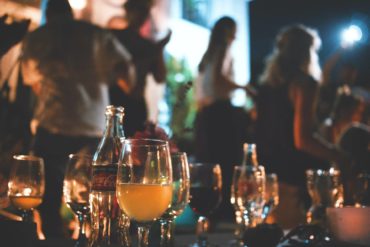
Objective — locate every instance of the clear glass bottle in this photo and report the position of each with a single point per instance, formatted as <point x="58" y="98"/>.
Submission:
<point x="254" y="182"/>
<point x="109" y="226"/>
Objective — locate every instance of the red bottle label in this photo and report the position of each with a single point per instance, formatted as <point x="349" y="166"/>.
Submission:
<point x="104" y="178"/>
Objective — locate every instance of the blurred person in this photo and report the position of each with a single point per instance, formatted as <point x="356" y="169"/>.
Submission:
<point x="15" y="99"/>
<point x="68" y="63"/>
<point x="348" y="108"/>
<point x="148" y="58"/>
<point x="347" y="66"/>
<point x="220" y="127"/>
<point x="347" y="128"/>
<point x="11" y="32"/>
<point x="287" y="143"/>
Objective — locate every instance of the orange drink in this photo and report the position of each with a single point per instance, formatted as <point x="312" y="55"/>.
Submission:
<point x="26" y="202"/>
<point x="144" y="202"/>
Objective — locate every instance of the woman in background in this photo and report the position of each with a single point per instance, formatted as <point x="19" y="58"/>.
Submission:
<point x="287" y="143"/>
<point x="220" y="128"/>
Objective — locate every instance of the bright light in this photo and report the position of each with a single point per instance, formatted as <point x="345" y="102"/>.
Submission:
<point x="351" y="35"/>
<point x="78" y="4"/>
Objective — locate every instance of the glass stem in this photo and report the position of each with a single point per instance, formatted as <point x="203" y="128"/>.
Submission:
<point x="143" y="235"/>
<point x="81" y="240"/>
<point x="27" y="216"/>
<point x="81" y="221"/>
<point x="249" y="218"/>
<point x="202" y="230"/>
<point x="166" y="233"/>
<point x="240" y="225"/>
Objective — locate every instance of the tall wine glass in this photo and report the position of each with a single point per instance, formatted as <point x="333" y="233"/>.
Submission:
<point x="26" y="184"/>
<point x="205" y="195"/>
<point x="248" y="191"/>
<point x="76" y="190"/>
<point x="180" y="196"/>
<point x="271" y="195"/>
<point x="144" y="182"/>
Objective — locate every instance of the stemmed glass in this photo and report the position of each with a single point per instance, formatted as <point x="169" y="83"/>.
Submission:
<point x="271" y="195"/>
<point x="76" y="190"/>
<point x="180" y="196"/>
<point x="144" y="182"/>
<point x="326" y="190"/>
<point x="247" y="196"/>
<point x="205" y="195"/>
<point x="26" y="184"/>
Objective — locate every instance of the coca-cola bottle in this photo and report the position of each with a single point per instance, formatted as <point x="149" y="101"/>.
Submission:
<point x="109" y="226"/>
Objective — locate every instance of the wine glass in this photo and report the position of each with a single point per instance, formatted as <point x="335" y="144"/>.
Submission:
<point x="180" y="196"/>
<point x="76" y="190"/>
<point x="326" y="190"/>
<point x="271" y="195"/>
<point x="26" y="184"/>
<point x="205" y="195"/>
<point x="247" y="194"/>
<point x="144" y="182"/>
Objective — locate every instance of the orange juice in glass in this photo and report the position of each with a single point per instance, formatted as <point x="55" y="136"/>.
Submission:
<point x="144" y="202"/>
<point x="144" y="182"/>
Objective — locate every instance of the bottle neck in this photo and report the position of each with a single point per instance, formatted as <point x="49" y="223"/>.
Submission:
<point x="250" y="155"/>
<point x="114" y="126"/>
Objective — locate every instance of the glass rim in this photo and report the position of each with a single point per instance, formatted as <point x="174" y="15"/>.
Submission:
<point x="323" y="172"/>
<point x="145" y="142"/>
<point x="25" y="157"/>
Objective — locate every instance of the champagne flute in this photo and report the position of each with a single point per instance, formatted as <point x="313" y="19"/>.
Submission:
<point x="144" y="182"/>
<point x="26" y="184"/>
<point x="76" y="190"/>
<point x="205" y="195"/>
<point x="180" y="196"/>
<point x="271" y="195"/>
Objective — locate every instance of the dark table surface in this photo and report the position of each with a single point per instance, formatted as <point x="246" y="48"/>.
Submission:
<point x="14" y="234"/>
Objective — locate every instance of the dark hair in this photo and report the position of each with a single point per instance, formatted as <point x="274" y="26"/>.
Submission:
<point x="58" y="8"/>
<point x="219" y="38"/>
<point x="137" y="11"/>
<point x="138" y="4"/>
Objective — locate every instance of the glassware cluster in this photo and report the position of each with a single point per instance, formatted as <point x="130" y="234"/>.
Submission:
<point x="139" y="180"/>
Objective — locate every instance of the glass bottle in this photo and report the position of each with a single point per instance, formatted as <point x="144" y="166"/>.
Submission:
<point x="109" y="226"/>
<point x="252" y="185"/>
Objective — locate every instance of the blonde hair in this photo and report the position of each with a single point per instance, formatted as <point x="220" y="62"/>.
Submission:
<point x="295" y="52"/>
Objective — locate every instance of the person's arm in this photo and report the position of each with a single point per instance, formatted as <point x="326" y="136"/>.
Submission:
<point x="117" y="60"/>
<point x="304" y="95"/>
<point x="158" y="63"/>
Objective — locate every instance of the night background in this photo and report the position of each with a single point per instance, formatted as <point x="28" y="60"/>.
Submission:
<point x="328" y="17"/>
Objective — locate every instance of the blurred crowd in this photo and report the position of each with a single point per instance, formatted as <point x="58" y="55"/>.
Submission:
<point x="305" y="115"/>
